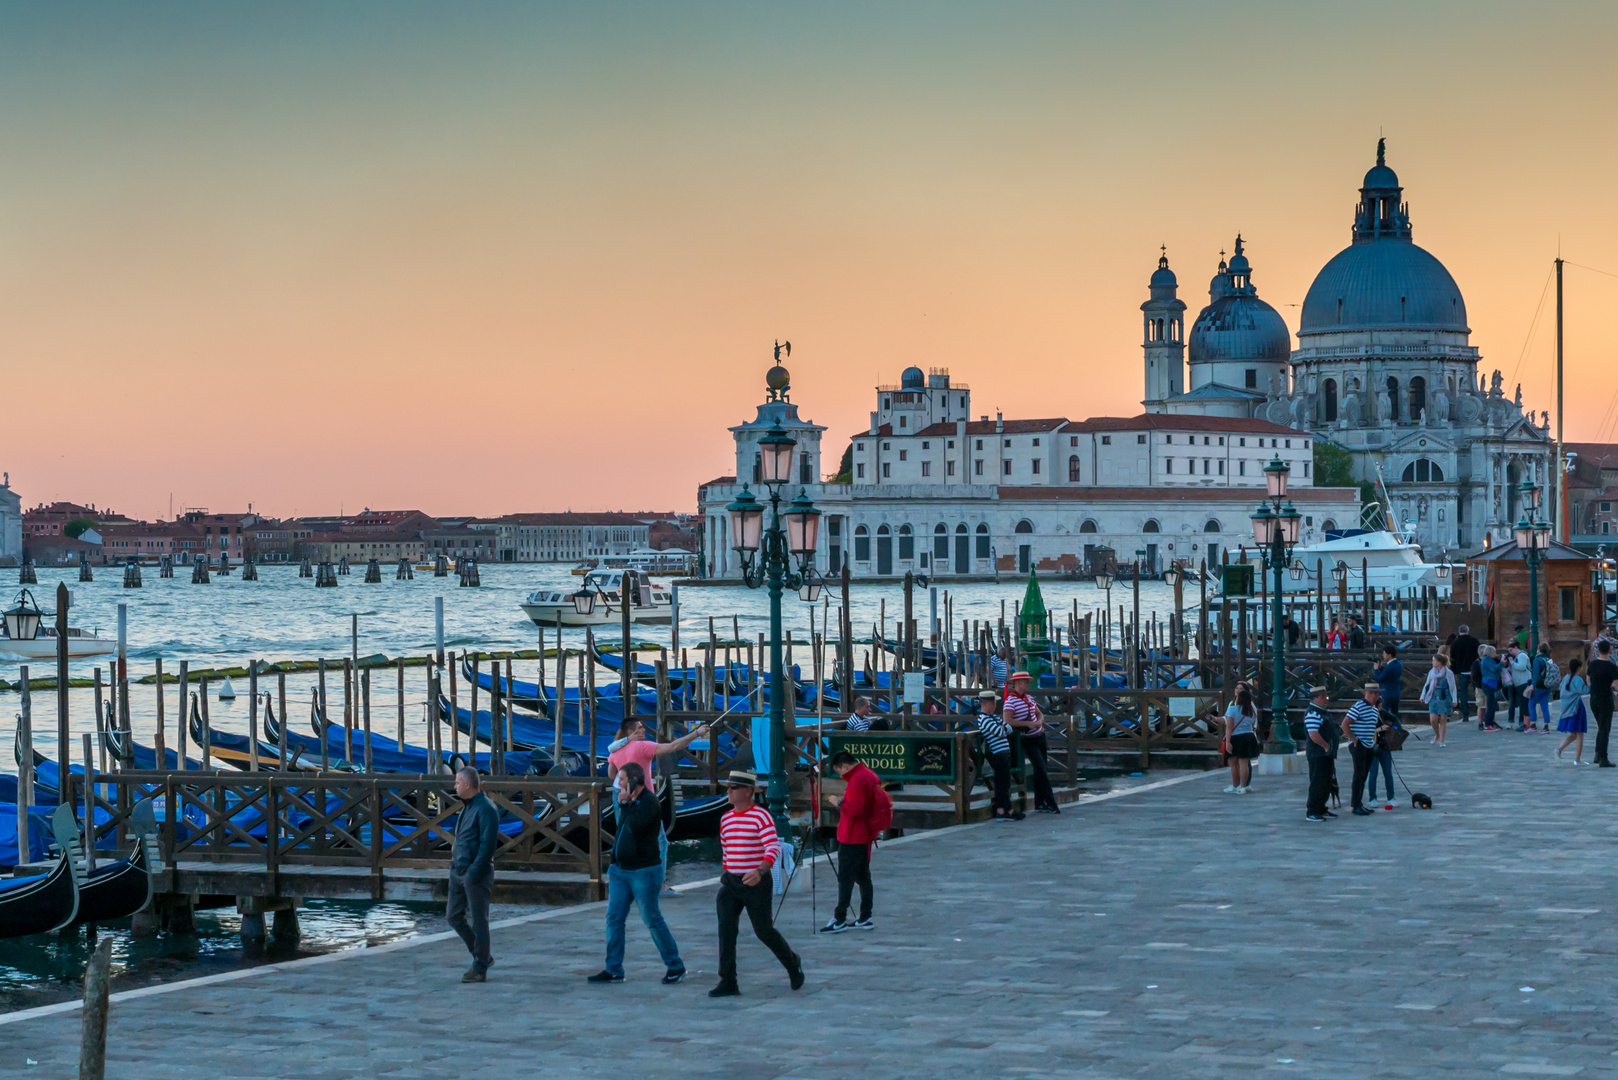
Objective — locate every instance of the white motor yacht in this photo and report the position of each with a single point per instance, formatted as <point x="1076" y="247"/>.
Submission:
<point x="1390" y="563"/>
<point x="648" y="603"/>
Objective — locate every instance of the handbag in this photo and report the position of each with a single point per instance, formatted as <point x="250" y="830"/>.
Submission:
<point x="1392" y="739"/>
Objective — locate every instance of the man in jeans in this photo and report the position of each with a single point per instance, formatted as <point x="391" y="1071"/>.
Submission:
<point x="1462" y="655"/>
<point x="471" y="871"/>
<point x="750" y="848"/>
<point x="636" y="877"/>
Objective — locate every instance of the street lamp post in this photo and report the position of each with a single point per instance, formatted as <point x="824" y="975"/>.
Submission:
<point x="1533" y="540"/>
<point x="779" y="557"/>
<point x="1275" y="530"/>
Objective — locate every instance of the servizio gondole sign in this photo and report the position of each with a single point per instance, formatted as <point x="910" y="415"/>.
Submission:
<point x="899" y="756"/>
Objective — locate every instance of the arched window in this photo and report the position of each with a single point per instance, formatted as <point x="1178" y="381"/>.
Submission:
<point x="983" y="541"/>
<point x="940" y="543"/>
<point x="1422" y="471"/>
<point x="907" y="543"/>
<point x="1330" y="400"/>
<point x="1151" y="526"/>
<point x="1212" y="526"/>
<point x="1418" y="396"/>
<point x="1073" y="469"/>
<point x="1329" y="525"/>
<point x="1088" y="525"/>
<point x="862" y="544"/>
<point x="1025" y="526"/>
<point x="1393" y="398"/>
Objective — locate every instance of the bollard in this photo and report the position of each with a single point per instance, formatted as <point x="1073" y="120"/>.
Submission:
<point x="93" y="1035"/>
<point x="405" y="572"/>
<point x="249" y="570"/>
<point x="224" y="565"/>
<point x="342" y="566"/>
<point x="131" y="574"/>
<point x="165" y="566"/>
<point x="199" y="571"/>
<point x="325" y="576"/>
<point x="373" y="573"/>
<point x="84" y="567"/>
<point x="305" y="570"/>
<point x="440" y="566"/>
<point x="26" y="575"/>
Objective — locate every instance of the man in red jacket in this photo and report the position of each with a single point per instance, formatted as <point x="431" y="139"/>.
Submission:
<point x="863" y="808"/>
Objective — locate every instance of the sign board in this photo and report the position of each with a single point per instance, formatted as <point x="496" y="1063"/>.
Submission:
<point x="915" y="688"/>
<point x="1182" y="707"/>
<point x="895" y="755"/>
<point x="1236" y="580"/>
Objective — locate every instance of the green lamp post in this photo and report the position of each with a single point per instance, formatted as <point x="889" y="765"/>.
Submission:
<point x="1275" y="530"/>
<point x="1533" y="540"/>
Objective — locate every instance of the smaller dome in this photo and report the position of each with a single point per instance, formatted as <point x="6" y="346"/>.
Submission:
<point x="1163" y="277"/>
<point x="1381" y="178"/>
<point x="912" y="379"/>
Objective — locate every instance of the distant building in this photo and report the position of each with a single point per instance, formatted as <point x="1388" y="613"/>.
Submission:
<point x="1592" y="496"/>
<point x="10" y="523"/>
<point x="563" y="537"/>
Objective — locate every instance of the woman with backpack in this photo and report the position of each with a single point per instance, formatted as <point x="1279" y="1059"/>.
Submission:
<point x="1574" y="717"/>
<point x="1439" y="694"/>
<point x="1546" y="679"/>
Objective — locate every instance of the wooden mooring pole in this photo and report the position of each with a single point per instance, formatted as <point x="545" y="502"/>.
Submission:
<point x="93" y="1034"/>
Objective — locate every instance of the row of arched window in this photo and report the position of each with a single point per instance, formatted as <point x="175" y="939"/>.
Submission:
<point x="941" y="536"/>
<point x="1415" y="396"/>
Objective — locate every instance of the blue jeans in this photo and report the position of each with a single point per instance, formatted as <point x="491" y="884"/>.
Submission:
<point x="1490" y="704"/>
<point x="1383" y="758"/>
<point x="626" y="887"/>
<point x="1539" y="704"/>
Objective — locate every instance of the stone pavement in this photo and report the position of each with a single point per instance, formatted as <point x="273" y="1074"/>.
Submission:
<point x="1176" y="931"/>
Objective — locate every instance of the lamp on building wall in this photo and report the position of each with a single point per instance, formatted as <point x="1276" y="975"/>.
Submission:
<point x="1275" y="530"/>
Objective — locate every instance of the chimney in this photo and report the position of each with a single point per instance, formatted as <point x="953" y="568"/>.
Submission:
<point x="999" y="421"/>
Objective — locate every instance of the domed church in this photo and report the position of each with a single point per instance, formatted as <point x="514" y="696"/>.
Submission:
<point x="1384" y="368"/>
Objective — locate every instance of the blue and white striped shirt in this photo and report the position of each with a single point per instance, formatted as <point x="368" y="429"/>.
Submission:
<point x="995" y="731"/>
<point x="998" y="671"/>
<point x="1363" y="719"/>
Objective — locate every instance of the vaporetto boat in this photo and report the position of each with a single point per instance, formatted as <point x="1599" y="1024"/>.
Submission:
<point x="648" y="603"/>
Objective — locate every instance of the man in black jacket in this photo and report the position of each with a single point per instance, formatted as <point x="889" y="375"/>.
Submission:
<point x="471" y="871"/>
<point x="1462" y="655"/>
<point x="636" y="877"/>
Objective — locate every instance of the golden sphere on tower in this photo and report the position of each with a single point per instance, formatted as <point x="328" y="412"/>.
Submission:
<point x="777" y="378"/>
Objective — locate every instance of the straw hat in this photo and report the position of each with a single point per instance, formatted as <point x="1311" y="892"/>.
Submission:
<point x="1015" y="675"/>
<point x="741" y="778"/>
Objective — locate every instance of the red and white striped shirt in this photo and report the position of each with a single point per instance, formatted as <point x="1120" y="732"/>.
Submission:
<point x="749" y="840"/>
<point x="1021" y="707"/>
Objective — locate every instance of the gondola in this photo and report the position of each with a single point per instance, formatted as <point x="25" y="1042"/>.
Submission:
<point x="121" y="888"/>
<point x="122" y="745"/>
<point x="41" y="903"/>
<point x="232" y="749"/>
<point x="388" y="755"/>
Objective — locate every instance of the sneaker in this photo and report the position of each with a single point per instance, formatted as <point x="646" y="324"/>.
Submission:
<point x="1018" y="815"/>
<point x="605" y="977"/>
<point x="1313" y="817"/>
<point x="725" y="989"/>
<point x="673" y="976"/>
<point x="865" y="924"/>
<point x="836" y="926"/>
<point x="1330" y="814"/>
<point x="474" y="975"/>
<point x="1360" y="811"/>
<point x="1232" y="789"/>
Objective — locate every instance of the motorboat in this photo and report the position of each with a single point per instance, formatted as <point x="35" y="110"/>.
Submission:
<point x="24" y="632"/>
<point x="602" y="601"/>
<point x="1379" y="558"/>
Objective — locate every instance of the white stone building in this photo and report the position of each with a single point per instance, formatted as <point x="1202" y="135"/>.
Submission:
<point x="10" y="523"/>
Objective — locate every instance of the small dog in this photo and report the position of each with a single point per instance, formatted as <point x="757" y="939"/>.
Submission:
<point x="1418" y="801"/>
<point x="1335" y="794"/>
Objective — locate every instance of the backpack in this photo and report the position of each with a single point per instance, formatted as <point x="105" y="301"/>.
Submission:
<point x="882" y="811"/>
<point x="1550" y="676"/>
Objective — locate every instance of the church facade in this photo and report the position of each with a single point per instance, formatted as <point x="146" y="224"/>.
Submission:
<point x="1384" y="368"/>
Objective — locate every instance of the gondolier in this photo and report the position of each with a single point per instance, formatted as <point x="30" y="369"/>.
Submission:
<point x="751" y="848"/>
<point x="1022" y="713"/>
<point x="1321" y="753"/>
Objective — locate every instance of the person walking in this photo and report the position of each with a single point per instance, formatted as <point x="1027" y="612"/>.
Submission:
<point x="1440" y="695"/>
<point x="1022" y="713"/>
<point x="1321" y="753"/>
<point x="1573" y="721"/>
<point x="1488" y="678"/>
<point x="750" y="847"/>
<point x="1600" y="675"/>
<point x="1463" y="656"/>
<point x="1241" y="739"/>
<point x="1389" y="676"/>
<point x="860" y="816"/>
<point x="997" y="752"/>
<point x="1546" y="678"/>
<point x="1361" y="725"/>
<point x="1521" y="672"/>
<point x="471" y="871"/>
<point x="636" y="877"/>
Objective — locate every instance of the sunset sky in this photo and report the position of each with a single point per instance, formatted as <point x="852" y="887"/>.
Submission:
<point x="477" y="258"/>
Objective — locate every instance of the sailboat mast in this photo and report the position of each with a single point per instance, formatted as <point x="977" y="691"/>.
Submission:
<point x="1558" y="481"/>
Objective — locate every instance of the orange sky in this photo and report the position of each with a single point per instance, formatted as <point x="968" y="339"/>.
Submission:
<point x="485" y="259"/>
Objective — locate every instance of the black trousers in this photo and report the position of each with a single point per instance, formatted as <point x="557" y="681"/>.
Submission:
<point x="1001" y="764"/>
<point x="733" y="899"/>
<point x="853" y="868"/>
<point x="1364" y="757"/>
<point x="1603" y="711"/>
<point x="1035" y="747"/>
<point x="470" y="897"/>
<point x="1321" y="771"/>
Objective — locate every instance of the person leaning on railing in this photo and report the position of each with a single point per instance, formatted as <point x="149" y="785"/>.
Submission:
<point x="997" y="752"/>
<point x="1022" y="713"/>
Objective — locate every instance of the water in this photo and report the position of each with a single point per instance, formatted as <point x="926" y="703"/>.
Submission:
<point x="283" y="617"/>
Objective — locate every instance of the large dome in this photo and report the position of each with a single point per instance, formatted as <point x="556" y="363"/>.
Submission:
<point x="1388" y="283"/>
<point x="1239" y="327"/>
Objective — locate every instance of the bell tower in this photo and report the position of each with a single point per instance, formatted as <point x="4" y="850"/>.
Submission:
<point x="1163" y="338"/>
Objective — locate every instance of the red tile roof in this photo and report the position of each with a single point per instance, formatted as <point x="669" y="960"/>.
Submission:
<point x="992" y="427"/>
<point x="1079" y="493"/>
<point x="1168" y="422"/>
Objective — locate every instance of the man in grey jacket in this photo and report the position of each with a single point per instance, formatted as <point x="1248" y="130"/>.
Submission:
<point x="471" y="871"/>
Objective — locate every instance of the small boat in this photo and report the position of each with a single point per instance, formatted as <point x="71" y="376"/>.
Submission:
<point x="122" y="887"/>
<point x="24" y="632"/>
<point x="648" y="603"/>
<point x="40" y="903"/>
